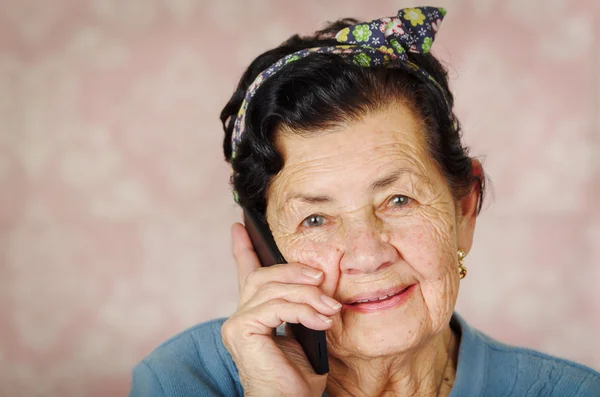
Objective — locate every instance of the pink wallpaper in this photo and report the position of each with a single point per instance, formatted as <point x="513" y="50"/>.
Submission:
<point x="115" y="208"/>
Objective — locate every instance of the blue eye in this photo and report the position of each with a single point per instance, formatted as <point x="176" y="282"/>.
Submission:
<point x="399" y="200"/>
<point x="313" y="221"/>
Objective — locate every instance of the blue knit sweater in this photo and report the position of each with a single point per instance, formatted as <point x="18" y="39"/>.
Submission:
<point x="195" y="363"/>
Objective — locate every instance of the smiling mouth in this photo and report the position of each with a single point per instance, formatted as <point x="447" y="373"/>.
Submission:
<point x="381" y="302"/>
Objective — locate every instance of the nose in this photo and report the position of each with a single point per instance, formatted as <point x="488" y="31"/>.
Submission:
<point x="367" y="247"/>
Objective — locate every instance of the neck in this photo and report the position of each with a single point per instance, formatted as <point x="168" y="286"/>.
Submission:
<point x="428" y="370"/>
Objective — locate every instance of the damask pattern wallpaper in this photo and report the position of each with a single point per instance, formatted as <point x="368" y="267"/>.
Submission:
<point x="115" y="207"/>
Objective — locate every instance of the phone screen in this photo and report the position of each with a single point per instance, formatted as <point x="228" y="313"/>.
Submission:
<point x="313" y="342"/>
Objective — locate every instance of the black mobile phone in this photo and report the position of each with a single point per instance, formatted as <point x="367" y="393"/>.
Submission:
<point x="313" y="342"/>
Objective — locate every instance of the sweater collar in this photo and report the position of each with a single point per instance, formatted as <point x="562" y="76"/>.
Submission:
<point x="471" y="366"/>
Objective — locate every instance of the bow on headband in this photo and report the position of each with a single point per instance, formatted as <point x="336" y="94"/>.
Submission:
<point x="412" y="30"/>
<point x="378" y="43"/>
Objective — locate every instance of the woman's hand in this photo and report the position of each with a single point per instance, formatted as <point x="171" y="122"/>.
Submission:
<point x="271" y="365"/>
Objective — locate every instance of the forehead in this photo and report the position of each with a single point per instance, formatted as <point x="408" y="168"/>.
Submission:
<point x="391" y="134"/>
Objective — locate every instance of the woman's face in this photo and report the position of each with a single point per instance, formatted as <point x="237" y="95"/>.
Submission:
<point x="366" y="204"/>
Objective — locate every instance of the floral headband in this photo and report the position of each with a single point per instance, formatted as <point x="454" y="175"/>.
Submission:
<point x="378" y="43"/>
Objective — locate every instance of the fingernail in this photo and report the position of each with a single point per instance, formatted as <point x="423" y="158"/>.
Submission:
<point x="332" y="303"/>
<point x="312" y="273"/>
<point x="324" y="318"/>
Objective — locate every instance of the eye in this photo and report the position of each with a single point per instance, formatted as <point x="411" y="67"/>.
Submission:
<point x="313" y="221"/>
<point x="399" y="200"/>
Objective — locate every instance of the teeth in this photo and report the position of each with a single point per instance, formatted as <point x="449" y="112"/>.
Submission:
<point x="375" y="299"/>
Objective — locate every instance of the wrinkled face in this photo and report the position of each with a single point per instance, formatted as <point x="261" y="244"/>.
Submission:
<point x="367" y="205"/>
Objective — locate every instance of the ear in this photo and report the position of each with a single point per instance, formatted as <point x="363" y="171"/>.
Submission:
<point x="466" y="210"/>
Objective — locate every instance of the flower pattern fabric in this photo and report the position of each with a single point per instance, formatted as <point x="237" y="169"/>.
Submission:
<point x="391" y="26"/>
<point x="361" y="33"/>
<point x="414" y="15"/>
<point x="381" y="42"/>
<point x="342" y="35"/>
<point x="426" y="46"/>
<point x="363" y="60"/>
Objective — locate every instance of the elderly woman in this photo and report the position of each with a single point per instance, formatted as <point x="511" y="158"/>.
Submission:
<point x="347" y="144"/>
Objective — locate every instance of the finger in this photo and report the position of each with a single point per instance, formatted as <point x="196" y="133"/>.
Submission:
<point x="262" y="319"/>
<point x="295" y="293"/>
<point x="243" y="253"/>
<point x="287" y="273"/>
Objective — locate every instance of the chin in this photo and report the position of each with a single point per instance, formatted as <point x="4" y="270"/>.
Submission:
<point x="380" y="334"/>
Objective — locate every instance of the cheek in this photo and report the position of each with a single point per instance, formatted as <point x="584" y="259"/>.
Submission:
<point x="429" y="249"/>
<point x="426" y="246"/>
<point x="323" y="256"/>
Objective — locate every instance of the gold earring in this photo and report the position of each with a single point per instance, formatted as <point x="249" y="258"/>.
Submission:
<point x="462" y="270"/>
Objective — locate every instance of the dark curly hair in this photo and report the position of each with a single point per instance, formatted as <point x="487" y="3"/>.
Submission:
<point x="324" y="90"/>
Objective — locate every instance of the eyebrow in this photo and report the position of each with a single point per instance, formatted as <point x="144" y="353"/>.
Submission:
<point x="388" y="180"/>
<point x="309" y="199"/>
<point x="320" y="199"/>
